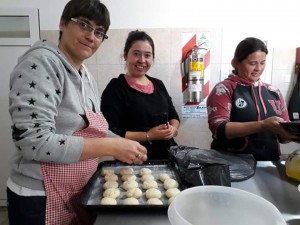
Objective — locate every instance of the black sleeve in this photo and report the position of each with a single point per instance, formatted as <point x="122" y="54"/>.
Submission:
<point x="112" y="106"/>
<point x="172" y="113"/>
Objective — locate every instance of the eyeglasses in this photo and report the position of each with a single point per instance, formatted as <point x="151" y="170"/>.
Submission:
<point x="88" y="28"/>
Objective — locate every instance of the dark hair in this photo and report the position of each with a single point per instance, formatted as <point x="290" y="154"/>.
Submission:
<point x="93" y="10"/>
<point x="134" y="36"/>
<point x="248" y="46"/>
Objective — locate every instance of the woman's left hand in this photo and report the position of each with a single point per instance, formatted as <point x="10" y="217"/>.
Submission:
<point x="162" y="132"/>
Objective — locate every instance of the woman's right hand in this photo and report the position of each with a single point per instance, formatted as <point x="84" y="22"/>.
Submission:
<point x="272" y="124"/>
<point x="128" y="151"/>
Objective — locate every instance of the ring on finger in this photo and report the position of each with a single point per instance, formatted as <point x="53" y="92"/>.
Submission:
<point x="137" y="155"/>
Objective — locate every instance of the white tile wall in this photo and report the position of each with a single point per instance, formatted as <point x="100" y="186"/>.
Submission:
<point x="108" y="63"/>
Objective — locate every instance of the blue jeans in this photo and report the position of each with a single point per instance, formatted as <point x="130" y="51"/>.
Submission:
<point x="25" y="210"/>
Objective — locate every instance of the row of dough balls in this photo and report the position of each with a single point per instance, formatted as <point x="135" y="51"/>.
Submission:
<point x="148" y="182"/>
<point x="153" y="196"/>
<point x="126" y="171"/>
<point x="127" y="174"/>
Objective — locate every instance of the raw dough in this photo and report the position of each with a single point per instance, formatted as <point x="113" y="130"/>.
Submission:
<point x="128" y="177"/>
<point x="149" y="184"/>
<point x="134" y="192"/>
<point x="170" y="183"/>
<point x="107" y="171"/>
<point x="170" y="200"/>
<point x="153" y="193"/>
<point x="163" y="177"/>
<point x="130" y="184"/>
<point x="111" y="176"/>
<point x="111" y="193"/>
<point x="127" y="170"/>
<point x="110" y="184"/>
<point x="108" y="201"/>
<point x="144" y="171"/>
<point x="154" y="201"/>
<point x="131" y="201"/>
<point x="172" y="192"/>
<point x="147" y="177"/>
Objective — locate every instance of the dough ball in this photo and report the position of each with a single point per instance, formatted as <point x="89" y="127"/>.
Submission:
<point x="111" y="176"/>
<point x="128" y="184"/>
<point x="172" y="192"/>
<point x="163" y="177"/>
<point x="128" y="177"/>
<point x="110" y="184"/>
<point x="154" y="201"/>
<point x="153" y="193"/>
<point x="131" y="201"/>
<point x="170" y="200"/>
<point x="111" y="193"/>
<point x="170" y="183"/>
<point x="144" y="171"/>
<point x="147" y="184"/>
<point x="147" y="177"/>
<point x="127" y="170"/>
<point x="107" y="171"/>
<point x="134" y="192"/>
<point x="108" y="201"/>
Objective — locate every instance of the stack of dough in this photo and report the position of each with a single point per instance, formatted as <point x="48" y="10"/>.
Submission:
<point x="130" y="185"/>
<point x="134" y="192"/>
<point x="163" y="177"/>
<point x="170" y="183"/>
<point x="130" y="201"/>
<point x="107" y="171"/>
<point x="171" y="187"/>
<point x="145" y="171"/>
<point x="111" y="191"/>
<point x="126" y="170"/>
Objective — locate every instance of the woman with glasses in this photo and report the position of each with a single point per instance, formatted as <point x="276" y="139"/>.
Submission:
<point x="57" y="127"/>
<point x="138" y="106"/>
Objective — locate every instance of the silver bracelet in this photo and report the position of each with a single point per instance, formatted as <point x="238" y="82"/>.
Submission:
<point x="148" y="138"/>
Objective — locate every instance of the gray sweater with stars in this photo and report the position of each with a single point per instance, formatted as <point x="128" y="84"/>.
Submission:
<point x="46" y="108"/>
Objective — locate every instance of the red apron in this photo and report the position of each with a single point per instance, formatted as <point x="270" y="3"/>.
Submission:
<point x="64" y="182"/>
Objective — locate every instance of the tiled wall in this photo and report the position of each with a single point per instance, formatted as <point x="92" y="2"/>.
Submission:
<point x="108" y="63"/>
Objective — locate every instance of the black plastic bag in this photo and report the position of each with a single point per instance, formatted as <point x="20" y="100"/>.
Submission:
<point x="210" y="167"/>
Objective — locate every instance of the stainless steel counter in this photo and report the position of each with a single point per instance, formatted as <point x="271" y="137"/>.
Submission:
<point x="269" y="182"/>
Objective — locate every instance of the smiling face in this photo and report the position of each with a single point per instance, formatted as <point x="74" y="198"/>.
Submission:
<point x="252" y="67"/>
<point x="139" y="59"/>
<point x="77" y="44"/>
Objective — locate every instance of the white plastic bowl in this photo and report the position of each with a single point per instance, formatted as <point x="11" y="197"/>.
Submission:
<point x="219" y="205"/>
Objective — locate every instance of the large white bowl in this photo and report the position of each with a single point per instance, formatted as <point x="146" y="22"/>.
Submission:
<point x="219" y="205"/>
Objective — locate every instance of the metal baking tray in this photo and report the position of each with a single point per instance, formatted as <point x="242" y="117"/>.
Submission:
<point x="92" y="193"/>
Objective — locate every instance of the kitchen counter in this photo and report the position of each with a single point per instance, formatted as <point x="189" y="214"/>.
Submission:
<point x="269" y="182"/>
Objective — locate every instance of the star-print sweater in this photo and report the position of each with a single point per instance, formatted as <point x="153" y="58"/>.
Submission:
<point x="46" y="108"/>
<point x="238" y="100"/>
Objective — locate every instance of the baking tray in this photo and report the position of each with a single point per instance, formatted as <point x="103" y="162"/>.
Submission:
<point x="92" y="193"/>
<point x="292" y="127"/>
